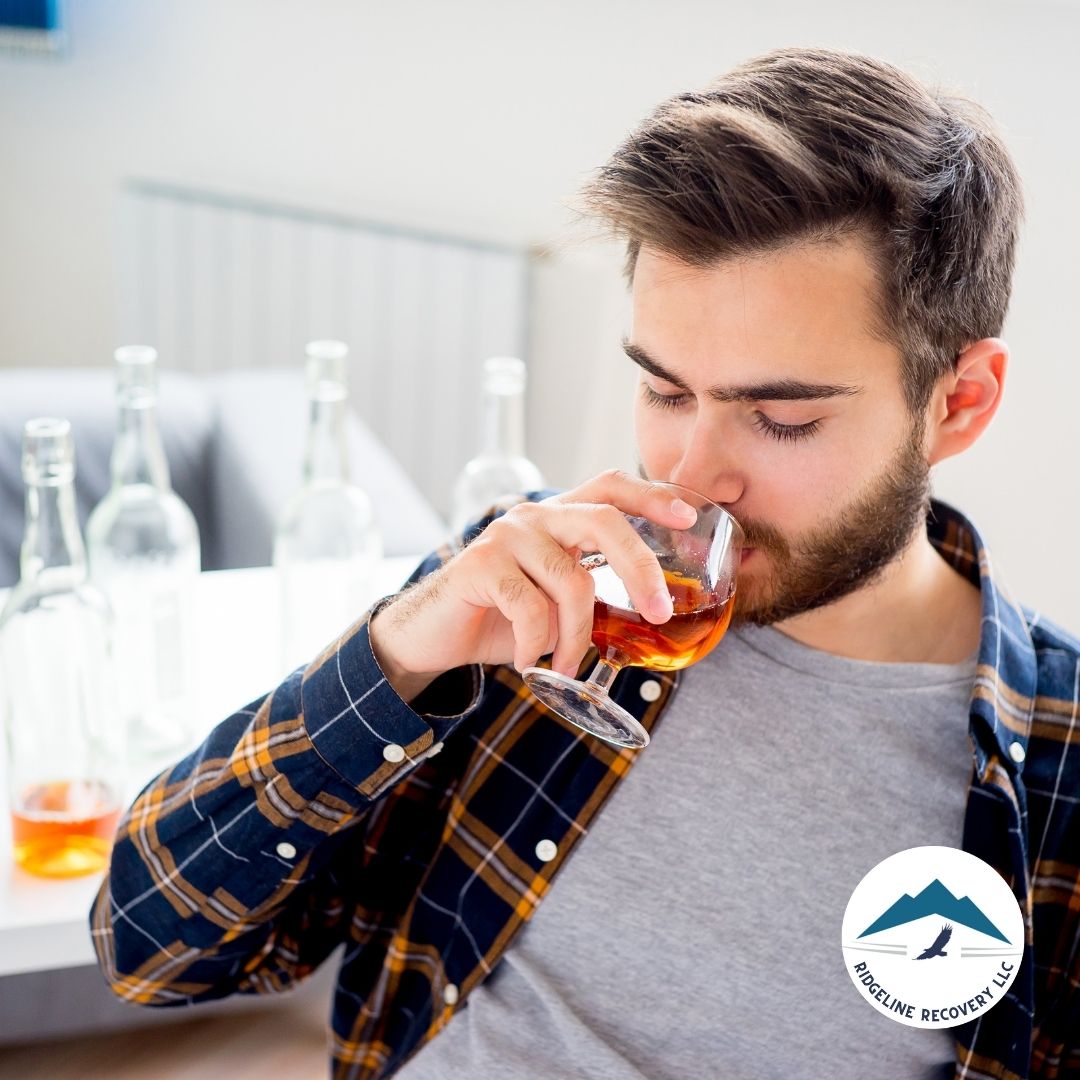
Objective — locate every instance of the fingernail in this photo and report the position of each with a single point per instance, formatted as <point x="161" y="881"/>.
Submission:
<point x="683" y="509"/>
<point x="662" y="606"/>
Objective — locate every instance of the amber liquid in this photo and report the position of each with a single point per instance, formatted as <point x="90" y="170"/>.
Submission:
<point x="64" y="829"/>
<point x="692" y="632"/>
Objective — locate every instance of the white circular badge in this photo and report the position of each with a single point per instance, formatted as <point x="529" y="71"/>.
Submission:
<point x="933" y="937"/>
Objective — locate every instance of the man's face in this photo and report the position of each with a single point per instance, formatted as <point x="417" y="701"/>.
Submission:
<point x="785" y="408"/>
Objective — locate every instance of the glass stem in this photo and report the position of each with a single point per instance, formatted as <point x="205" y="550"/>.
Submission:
<point x="603" y="675"/>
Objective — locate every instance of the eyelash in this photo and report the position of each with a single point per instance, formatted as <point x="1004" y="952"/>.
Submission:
<point x="781" y="432"/>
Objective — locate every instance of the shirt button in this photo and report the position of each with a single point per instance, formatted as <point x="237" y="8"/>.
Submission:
<point x="450" y="994"/>
<point x="394" y="753"/>
<point x="286" y="850"/>
<point x="546" y="851"/>
<point x="1017" y="752"/>
<point x="650" y="690"/>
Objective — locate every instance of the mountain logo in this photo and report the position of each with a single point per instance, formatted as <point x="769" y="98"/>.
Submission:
<point x="935" y="899"/>
<point x="933" y="937"/>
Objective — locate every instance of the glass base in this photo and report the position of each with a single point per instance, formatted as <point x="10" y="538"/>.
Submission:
<point x="589" y="707"/>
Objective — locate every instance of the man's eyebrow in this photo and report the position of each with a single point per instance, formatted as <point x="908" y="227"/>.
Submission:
<point x="773" y="390"/>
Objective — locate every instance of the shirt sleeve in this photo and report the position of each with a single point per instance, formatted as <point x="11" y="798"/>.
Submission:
<point x="221" y="878"/>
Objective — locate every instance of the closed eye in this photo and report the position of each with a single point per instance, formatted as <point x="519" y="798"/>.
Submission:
<point x="781" y="432"/>
<point x="786" y="432"/>
<point x="663" y="401"/>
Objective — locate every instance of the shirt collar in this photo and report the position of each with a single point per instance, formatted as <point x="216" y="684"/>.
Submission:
<point x="1003" y="697"/>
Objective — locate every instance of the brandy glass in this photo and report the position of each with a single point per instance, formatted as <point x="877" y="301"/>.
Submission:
<point x="700" y="564"/>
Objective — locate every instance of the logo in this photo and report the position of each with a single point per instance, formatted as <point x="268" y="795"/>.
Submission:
<point x="933" y="937"/>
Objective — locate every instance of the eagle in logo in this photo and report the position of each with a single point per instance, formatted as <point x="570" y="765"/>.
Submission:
<point x="938" y="947"/>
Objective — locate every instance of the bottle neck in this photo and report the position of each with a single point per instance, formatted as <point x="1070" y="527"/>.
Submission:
<point x="52" y="539"/>
<point x="504" y="425"/>
<point x="138" y="455"/>
<point x="325" y="459"/>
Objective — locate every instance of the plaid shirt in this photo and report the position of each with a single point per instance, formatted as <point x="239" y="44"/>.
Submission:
<point x="294" y="829"/>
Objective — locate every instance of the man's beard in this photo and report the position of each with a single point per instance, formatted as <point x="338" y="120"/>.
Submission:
<point x="847" y="553"/>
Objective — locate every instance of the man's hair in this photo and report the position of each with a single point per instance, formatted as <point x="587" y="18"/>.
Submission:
<point x="814" y="145"/>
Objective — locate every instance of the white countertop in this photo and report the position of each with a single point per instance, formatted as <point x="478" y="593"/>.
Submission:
<point x="43" y="922"/>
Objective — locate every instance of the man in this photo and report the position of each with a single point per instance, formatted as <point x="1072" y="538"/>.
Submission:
<point x="821" y="253"/>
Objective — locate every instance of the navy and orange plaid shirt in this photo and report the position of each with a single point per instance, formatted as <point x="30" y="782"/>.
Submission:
<point x="294" y="830"/>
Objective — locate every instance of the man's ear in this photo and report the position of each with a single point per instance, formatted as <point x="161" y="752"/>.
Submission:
<point x="964" y="402"/>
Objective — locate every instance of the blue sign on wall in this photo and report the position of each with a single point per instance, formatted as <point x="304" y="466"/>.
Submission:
<point x="30" y="14"/>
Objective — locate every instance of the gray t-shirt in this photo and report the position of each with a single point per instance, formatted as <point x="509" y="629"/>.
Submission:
<point x="695" y="932"/>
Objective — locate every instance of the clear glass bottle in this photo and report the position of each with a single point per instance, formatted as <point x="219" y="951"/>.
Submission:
<point x="501" y="468"/>
<point x="327" y="543"/>
<point x="143" y="546"/>
<point x="64" y="748"/>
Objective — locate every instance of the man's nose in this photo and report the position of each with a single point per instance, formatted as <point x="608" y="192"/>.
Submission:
<point x="710" y="466"/>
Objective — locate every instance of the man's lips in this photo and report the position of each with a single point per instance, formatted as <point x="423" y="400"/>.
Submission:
<point x="746" y="553"/>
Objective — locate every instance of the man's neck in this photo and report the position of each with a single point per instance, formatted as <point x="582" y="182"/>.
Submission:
<point x="919" y="610"/>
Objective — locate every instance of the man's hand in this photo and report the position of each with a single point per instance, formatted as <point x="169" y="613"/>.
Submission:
<point x="519" y="591"/>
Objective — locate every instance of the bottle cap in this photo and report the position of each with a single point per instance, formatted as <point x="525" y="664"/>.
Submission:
<point x="48" y="451"/>
<point x="136" y="375"/>
<point x="327" y="373"/>
<point x="504" y="375"/>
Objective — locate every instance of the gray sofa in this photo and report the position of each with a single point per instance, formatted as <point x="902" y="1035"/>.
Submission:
<point x="235" y="443"/>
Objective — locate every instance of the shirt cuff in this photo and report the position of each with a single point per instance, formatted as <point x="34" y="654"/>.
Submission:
<point x="360" y="726"/>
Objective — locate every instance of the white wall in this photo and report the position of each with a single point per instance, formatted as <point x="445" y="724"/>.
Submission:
<point x="482" y="118"/>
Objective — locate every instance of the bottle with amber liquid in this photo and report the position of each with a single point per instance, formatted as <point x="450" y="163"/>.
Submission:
<point x="57" y="688"/>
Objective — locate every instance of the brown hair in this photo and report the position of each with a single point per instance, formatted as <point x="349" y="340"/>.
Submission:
<point x="813" y="145"/>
